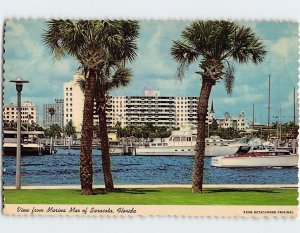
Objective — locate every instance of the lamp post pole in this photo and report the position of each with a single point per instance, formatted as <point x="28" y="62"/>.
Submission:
<point x="19" y="85"/>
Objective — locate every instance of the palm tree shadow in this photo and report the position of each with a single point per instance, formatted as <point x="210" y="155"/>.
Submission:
<point x="241" y="190"/>
<point x="126" y="190"/>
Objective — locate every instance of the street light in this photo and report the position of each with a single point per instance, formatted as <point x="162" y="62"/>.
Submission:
<point x="19" y="86"/>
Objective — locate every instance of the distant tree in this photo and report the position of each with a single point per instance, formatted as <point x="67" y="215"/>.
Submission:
<point x="118" y="127"/>
<point x="54" y="130"/>
<point x="35" y="127"/>
<point x="70" y="129"/>
<point x="51" y="111"/>
<point x="228" y="133"/>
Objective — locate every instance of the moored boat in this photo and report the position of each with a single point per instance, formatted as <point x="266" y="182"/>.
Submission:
<point x="257" y="156"/>
<point x="30" y="144"/>
<point x="183" y="143"/>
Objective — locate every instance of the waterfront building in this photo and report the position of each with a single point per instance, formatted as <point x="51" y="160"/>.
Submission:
<point x="28" y="112"/>
<point x="152" y="108"/>
<point x="238" y="122"/>
<point x="169" y="111"/>
<point x="57" y="117"/>
<point x="73" y="102"/>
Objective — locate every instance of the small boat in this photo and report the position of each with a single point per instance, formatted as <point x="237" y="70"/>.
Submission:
<point x="257" y="156"/>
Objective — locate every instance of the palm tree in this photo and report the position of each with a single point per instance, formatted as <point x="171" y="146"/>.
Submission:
<point x="70" y="129"/>
<point x="117" y="76"/>
<point x="118" y="45"/>
<point x="118" y="127"/>
<point x="51" y="111"/>
<point x="90" y="42"/>
<point x="215" y="45"/>
<point x="54" y="130"/>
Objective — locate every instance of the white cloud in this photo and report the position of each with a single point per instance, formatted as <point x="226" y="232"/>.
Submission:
<point x="288" y="103"/>
<point x="16" y="29"/>
<point x="285" y="45"/>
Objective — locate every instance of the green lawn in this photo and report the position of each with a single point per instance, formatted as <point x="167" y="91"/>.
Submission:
<point x="160" y="196"/>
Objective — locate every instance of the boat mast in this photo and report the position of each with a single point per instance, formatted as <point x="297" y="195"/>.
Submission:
<point x="294" y="111"/>
<point x="253" y="116"/>
<point x="269" y="106"/>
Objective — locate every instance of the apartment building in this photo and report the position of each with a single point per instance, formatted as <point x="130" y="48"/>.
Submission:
<point x="73" y="102"/>
<point x="152" y="108"/>
<point x="28" y="112"/>
<point x="57" y="117"/>
<point x="169" y="111"/>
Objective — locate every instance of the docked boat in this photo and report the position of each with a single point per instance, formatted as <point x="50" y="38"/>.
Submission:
<point x="29" y="142"/>
<point x="257" y="156"/>
<point x="183" y="142"/>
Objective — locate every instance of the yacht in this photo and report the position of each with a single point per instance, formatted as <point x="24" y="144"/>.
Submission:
<point x="183" y="142"/>
<point x="257" y="156"/>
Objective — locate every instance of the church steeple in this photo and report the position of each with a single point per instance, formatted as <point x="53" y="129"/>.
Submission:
<point x="212" y="107"/>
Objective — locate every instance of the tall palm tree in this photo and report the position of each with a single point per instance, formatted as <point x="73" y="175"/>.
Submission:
<point x="89" y="41"/>
<point x="110" y="77"/>
<point x="215" y="45"/>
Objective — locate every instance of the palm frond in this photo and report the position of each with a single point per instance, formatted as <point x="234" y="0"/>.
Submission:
<point x="81" y="82"/>
<point x="247" y="46"/>
<point x="229" y="78"/>
<point x="91" y="41"/>
<point x="120" y="78"/>
<point x="213" y="43"/>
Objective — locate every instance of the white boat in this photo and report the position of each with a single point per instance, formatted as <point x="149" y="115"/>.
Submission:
<point x="29" y="142"/>
<point x="257" y="156"/>
<point x="183" y="142"/>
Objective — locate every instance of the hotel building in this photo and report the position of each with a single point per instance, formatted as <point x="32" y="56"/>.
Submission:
<point x="28" y="112"/>
<point x="57" y="117"/>
<point x="73" y="102"/>
<point x="169" y="111"/>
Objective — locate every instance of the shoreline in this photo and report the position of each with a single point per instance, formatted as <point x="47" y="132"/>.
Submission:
<point x="209" y="186"/>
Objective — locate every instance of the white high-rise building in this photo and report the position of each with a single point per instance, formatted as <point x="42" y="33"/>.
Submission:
<point x="57" y="117"/>
<point x="28" y="112"/>
<point x="151" y="108"/>
<point x="73" y="102"/>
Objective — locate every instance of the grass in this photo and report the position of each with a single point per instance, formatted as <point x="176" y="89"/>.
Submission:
<point x="159" y="196"/>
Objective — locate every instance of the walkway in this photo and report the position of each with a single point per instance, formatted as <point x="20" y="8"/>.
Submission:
<point x="227" y="186"/>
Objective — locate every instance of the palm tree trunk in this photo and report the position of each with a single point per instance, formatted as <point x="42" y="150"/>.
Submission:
<point x="200" y="146"/>
<point x="86" y="161"/>
<point x="106" y="164"/>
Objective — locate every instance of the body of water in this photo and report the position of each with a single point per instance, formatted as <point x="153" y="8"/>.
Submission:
<point x="63" y="169"/>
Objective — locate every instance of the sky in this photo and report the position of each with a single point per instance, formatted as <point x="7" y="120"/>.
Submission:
<point x="26" y="56"/>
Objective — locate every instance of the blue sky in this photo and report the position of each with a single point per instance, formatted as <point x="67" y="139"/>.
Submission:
<point x="25" y="56"/>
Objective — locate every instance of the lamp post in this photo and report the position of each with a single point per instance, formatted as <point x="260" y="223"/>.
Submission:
<point x="19" y="86"/>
